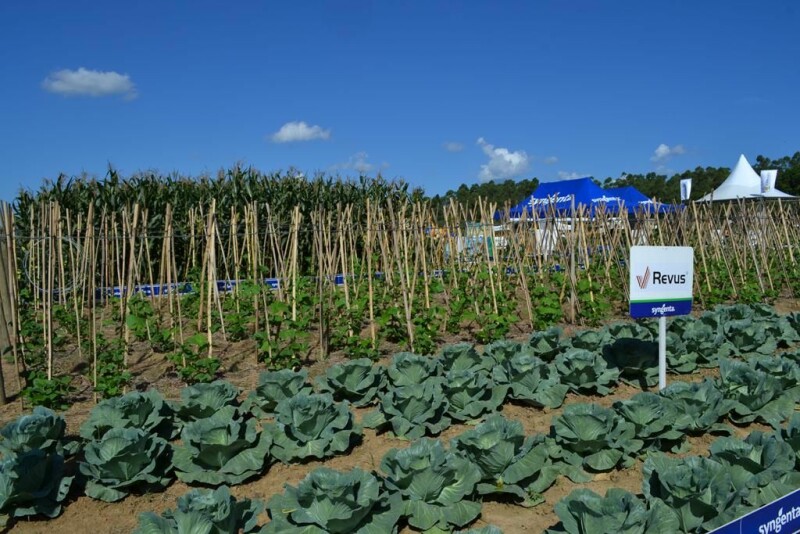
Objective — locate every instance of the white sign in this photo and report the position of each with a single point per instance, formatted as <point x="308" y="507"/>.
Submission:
<point x="686" y="189"/>
<point x="768" y="179"/>
<point x="661" y="281"/>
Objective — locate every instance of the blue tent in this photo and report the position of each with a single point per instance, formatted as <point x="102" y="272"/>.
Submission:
<point x="560" y="196"/>
<point x="636" y="200"/>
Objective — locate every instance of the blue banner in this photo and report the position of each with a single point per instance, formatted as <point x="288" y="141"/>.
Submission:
<point x="778" y="516"/>
<point x="665" y="308"/>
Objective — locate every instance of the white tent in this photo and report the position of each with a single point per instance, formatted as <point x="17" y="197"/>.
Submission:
<point x="743" y="182"/>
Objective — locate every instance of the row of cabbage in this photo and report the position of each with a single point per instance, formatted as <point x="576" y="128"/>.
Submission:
<point x="126" y="440"/>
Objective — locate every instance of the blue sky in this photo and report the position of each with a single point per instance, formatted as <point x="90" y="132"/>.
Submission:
<point x="436" y="92"/>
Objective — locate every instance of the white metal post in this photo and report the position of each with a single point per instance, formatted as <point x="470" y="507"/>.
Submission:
<point x="662" y="352"/>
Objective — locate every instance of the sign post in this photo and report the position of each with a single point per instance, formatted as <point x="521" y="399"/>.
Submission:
<point x="661" y="281"/>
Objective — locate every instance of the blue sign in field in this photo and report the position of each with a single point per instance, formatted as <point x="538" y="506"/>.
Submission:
<point x="780" y="516"/>
<point x="660" y="308"/>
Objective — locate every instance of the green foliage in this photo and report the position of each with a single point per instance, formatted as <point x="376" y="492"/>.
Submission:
<point x="546" y="302"/>
<point x="356" y="381"/>
<point x="112" y="376"/>
<point x="530" y="381"/>
<point x="594" y="437"/>
<point x="51" y="393"/>
<point x="311" y="427"/>
<point x="509" y="462"/>
<point x="42" y="429"/>
<point x="756" y="396"/>
<point x="434" y="484"/>
<point x="653" y="418"/>
<point x="32" y="483"/>
<point x="193" y="362"/>
<point x="412" y="411"/>
<point x="463" y="357"/>
<point x="125" y="460"/>
<point x="700" y="406"/>
<point x="471" y="394"/>
<point x="593" y="304"/>
<point x="585" y="512"/>
<point x="225" y="448"/>
<point x="146" y="411"/>
<point x="339" y="503"/>
<point x="275" y="386"/>
<point x="701" y="491"/>
<point x="585" y="372"/>
<point x="204" y="511"/>
<point x="407" y="369"/>
<point x="635" y="359"/>
<point x="284" y="344"/>
<point x="204" y="400"/>
<point x="546" y="344"/>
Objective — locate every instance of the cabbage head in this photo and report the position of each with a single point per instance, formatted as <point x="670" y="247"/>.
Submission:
<point x="510" y="463"/>
<point x="412" y="411"/>
<point x="471" y="394"/>
<point x="585" y="372"/>
<point x="784" y="369"/>
<point x="145" y="410"/>
<point x="408" y="369"/>
<point x="594" y="437"/>
<point x="275" y="386"/>
<point x="703" y="341"/>
<point x="204" y="511"/>
<point x="435" y="485"/>
<point x="763" y="463"/>
<point x="42" y="429"/>
<point x="463" y="357"/>
<point x="32" y="483"/>
<point x="701" y="491"/>
<point x="653" y="418"/>
<point x="311" y="427"/>
<point x="530" y="381"/>
<point x="225" y="448"/>
<point x="356" y="381"/>
<point x="329" y="501"/>
<point x="756" y="395"/>
<point x="591" y="340"/>
<point x="585" y="512"/>
<point x="700" y="406"/>
<point x="635" y="359"/>
<point x="505" y="349"/>
<point x="791" y="435"/>
<point x="546" y="344"/>
<point x="126" y="460"/>
<point x="199" y="401"/>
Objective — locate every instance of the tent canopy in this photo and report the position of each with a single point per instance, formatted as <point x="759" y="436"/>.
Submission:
<point x="558" y="197"/>
<point x="743" y="182"/>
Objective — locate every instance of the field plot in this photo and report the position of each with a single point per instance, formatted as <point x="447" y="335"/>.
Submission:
<point x="556" y="431"/>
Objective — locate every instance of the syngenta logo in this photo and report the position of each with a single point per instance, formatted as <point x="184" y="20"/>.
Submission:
<point x="775" y="525"/>
<point x="659" y="278"/>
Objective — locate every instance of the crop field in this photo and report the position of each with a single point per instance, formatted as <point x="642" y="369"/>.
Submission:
<point x="346" y="358"/>
<point x="557" y="431"/>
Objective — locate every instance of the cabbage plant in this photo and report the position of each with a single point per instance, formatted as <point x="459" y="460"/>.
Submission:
<point x="471" y="394"/>
<point x="311" y="426"/>
<point x="585" y="512"/>
<point x="585" y="372"/>
<point x="407" y="369"/>
<point x="207" y="511"/>
<point x="334" y="502"/>
<point x="356" y="381"/>
<point x="635" y="359"/>
<point x="703" y="341"/>
<point x="546" y="344"/>
<point x="791" y="435"/>
<point x="145" y="410"/>
<point x="591" y="340"/>
<point x="275" y="386"/>
<point x="225" y="448"/>
<point x="463" y="357"/>
<point x="699" y="406"/>
<point x="653" y="418"/>
<point x="510" y="463"/>
<point x="787" y="371"/>
<point x="32" y="483"/>
<point x="701" y="491"/>
<point x="412" y="411"/>
<point x="42" y="429"/>
<point x="199" y="401"/>
<point x="764" y="464"/>
<point x="434" y="484"/>
<point x="126" y="460"/>
<point x="755" y="395"/>
<point x="595" y="437"/>
<point x="505" y="349"/>
<point x="530" y="381"/>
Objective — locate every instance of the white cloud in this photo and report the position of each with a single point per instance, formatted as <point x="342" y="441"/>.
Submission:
<point x="663" y="152"/>
<point x="84" y="82"/>
<point x="502" y="162"/>
<point x="358" y="162"/>
<point x="551" y="160"/>
<point x="564" y="175"/>
<point x="453" y="146"/>
<point x="299" y="131"/>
